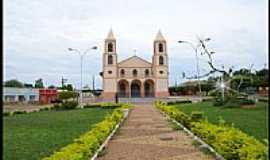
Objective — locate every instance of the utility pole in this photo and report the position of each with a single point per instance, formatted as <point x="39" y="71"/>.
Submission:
<point x="93" y="82"/>
<point x="63" y="81"/>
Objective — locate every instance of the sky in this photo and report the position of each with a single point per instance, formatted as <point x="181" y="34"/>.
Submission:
<point x="38" y="33"/>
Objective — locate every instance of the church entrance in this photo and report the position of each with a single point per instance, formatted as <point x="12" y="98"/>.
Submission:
<point x="135" y="88"/>
<point x="123" y="88"/>
<point x="149" y="88"/>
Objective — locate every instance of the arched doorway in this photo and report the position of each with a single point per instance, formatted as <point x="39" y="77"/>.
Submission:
<point x="135" y="88"/>
<point x="149" y="89"/>
<point x="123" y="88"/>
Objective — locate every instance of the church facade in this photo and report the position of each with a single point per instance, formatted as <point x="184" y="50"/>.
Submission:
<point x="134" y="76"/>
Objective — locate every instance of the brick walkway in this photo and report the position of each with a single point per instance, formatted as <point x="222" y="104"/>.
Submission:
<point x="146" y="135"/>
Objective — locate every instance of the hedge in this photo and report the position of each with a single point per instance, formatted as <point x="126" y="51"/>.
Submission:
<point x="230" y="142"/>
<point x="179" y="102"/>
<point x="66" y="105"/>
<point x="86" y="145"/>
<point x="107" y="105"/>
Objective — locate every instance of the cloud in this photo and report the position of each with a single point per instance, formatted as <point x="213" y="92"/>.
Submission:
<point x="38" y="33"/>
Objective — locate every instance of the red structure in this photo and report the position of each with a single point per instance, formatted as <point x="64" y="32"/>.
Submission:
<point x="47" y="95"/>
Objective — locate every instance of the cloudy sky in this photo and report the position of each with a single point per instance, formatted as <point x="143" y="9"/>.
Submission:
<point x="38" y="33"/>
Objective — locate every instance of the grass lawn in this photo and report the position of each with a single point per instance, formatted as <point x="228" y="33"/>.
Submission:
<point x="36" y="135"/>
<point x="252" y="121"/>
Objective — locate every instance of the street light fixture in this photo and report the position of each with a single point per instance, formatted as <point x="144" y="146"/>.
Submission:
<point x="81" y="60"/>
<point x="195" y="48"/>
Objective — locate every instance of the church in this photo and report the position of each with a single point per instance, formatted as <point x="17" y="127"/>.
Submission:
<point x="134" y="76"/>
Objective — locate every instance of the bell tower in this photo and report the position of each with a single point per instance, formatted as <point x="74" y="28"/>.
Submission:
<point x="160" y="66"/>
<point x="109" y="73"/>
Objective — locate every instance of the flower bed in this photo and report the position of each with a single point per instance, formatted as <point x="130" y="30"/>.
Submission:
<point x="86" y="145"/>
<point x="230" y="142"/>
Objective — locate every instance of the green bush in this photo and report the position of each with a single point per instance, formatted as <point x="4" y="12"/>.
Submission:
<point x="19" y="112"/>
<point x="92" y="106"/>
<point x="207" y="100"/>
<point x="67" y="95"/>
<point x="230" y="142"/>
<point x="196" y="116"/>
<point x="110" y="105"/>
<point x="56" y="106"/>
<point x="263" y="100"/>
<point x="86" y="145"/>
<point x="179" y="102"/>
<point x="7" y="113"/>
<point x="44" y="109"/>
<point x="67" y="105"/>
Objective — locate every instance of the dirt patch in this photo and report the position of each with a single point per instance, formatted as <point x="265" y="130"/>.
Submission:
<point x="248" y="106"/>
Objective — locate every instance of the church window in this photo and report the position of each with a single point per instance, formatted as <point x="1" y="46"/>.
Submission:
<point x="122" y="72"/>
<point x="110" y="59"/>
<point x="110" y="47"/>
<point x="146" y="72"/>
<point x="161" y="60"/>
<point x="161" y="72"/>
<point x="110" y="72"/>
<point x="135" y="72"/>
<point x="160" y="47"/>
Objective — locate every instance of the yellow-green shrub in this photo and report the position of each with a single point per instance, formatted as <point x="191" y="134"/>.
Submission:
<point x="86" y="145"/>
<point x="230" y="142"/>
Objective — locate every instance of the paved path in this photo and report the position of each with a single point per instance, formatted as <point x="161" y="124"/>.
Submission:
<point x="146" y="135"/>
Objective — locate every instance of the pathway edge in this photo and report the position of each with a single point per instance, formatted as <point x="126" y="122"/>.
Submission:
<point x="196" y="138"/>
<point x="126" y="112"/>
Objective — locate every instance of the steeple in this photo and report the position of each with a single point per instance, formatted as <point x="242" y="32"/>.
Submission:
<point x="159" y="36"/>
<point x="110" y="35"/>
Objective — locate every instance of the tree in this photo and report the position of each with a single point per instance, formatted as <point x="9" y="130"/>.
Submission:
<point x="66" y="95"/>
<point x="52" y="87"/>
<point x="39" y="83"/>
<point x="28" y="85"/>
<point x="13" y="83"/>
<point x="69" y="87"/>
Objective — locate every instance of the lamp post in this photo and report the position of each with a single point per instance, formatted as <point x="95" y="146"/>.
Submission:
<point x="81" y="61"/>
<point x="195" y="48"/>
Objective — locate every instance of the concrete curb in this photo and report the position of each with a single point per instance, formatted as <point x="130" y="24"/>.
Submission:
<point x="196" y="138"/>
<point x="126" y="112"/>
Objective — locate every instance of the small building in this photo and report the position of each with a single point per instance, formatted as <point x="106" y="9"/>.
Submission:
<point x="47" y="95"/>
<point x="23" y="95"/>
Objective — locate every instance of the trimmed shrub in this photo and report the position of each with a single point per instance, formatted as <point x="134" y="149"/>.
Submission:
<point x="19" y="112"/>
<point x="207" y="99"/>
<point x="263" y="100"/>
<point x="179" y="102"/>
<point x="44" y="109"/>
<point x="230" y="142"/>
<point x="67" y="105"/>
<point x="92" y="106"/>
<point x="7" y="114"/>
<point x="110" y="105"/>
<point x="196" y="116"/>
<point x="86" y="145"/>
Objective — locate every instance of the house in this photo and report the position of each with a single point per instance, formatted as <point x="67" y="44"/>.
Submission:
<point x="23" y="95"/>
<point x="47" y="95"/>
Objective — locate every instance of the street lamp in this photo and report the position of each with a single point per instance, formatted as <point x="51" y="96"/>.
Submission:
<point x="195" y="48"/>
<point x="81" y="58"/>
